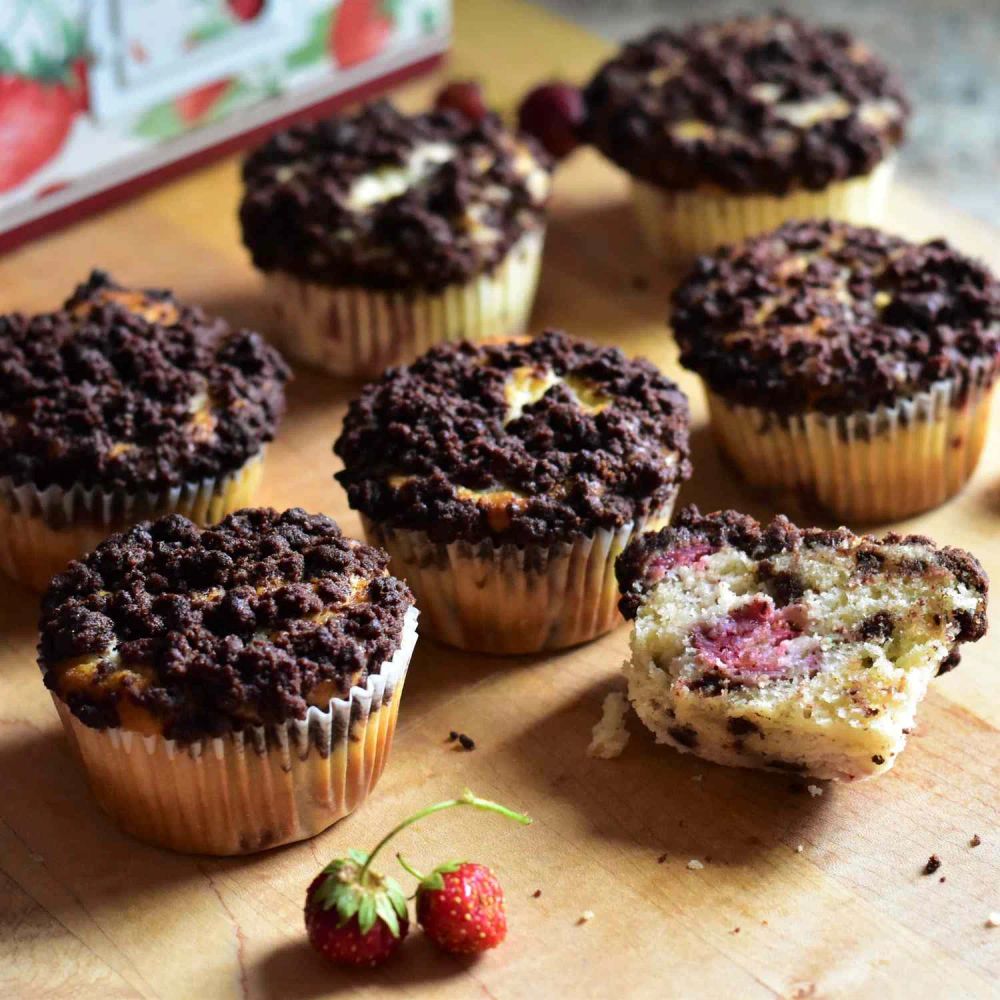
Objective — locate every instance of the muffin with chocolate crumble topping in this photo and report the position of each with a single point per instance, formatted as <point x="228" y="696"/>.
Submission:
<point x="846" y="363"/>
<point x="792" y="649"/>
<point x="383" y="233"/>
<point x="229" y="688"/>
<point x="503" y="479"/>
<point x="728" y="129"/>
<point x="123" y="405"/>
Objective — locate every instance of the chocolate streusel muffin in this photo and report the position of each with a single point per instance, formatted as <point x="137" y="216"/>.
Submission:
<point x="383" y="233"/>
<point x="730" y="128"/>
<point x="845" y="362"/>
<point x="121" y="405"/>
<point x="229" y="688"/>
<point x="504" y="479"/>
<point x="792" y="649"/>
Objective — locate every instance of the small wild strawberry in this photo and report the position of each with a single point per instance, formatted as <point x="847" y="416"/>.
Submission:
<point x="461" y="908"/>
<point x="553" y="114"/>
<point x="354" y="916"/>
<point x="463" y="96"/>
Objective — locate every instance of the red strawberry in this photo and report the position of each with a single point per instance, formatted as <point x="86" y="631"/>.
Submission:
<point x="194" y="105"/>
<point x="553" y="114"/>
<point x="461" y="908"/>
<point x="245" y="10"/>
<point x="358" y="32"/>
<point x="35" y="118"/>
<point x="354" y="916"/>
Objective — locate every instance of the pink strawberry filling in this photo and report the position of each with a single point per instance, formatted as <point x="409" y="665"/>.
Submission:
<point x="684" y="555"/>
<point x="753" y="642"/>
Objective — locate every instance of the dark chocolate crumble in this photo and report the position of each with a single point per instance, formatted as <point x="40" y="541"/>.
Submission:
<point x="124" y="389"/>
<point x="823" y="316"/>
<point x="458" y="217"/>
<point x="764" y="104"/>
<point x="223" y="628"/>
<point x="601" y="447"/>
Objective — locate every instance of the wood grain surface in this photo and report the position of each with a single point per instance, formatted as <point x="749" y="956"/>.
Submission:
<point x="87" y="912"/>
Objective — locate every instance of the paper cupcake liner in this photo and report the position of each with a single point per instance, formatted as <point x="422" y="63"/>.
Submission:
<point x="358" y="333"/>
<point x="253" y="790"/>
<point x="506" y="600"/>
<point x="680" y="225"/>
<point x="880" y="466"/>
<point x="41" y="531"/>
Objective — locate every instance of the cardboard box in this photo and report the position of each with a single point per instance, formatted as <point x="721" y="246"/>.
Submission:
<point x="101" y="98"/>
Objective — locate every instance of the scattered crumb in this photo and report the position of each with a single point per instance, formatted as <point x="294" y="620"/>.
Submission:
<point x="942" y="878"/>
<point x="976" y="840"/>
<point x="466" y="742"/>
<point x="878" y="759"/>
<point x="735" y="930"/>
<point x="452" y="736"/>
<point x="799" y="849"/>
<point x="586" y="917"/>
<point x="993" y="920"/>
<point x="609" y="737"/>
<point x="640" y="283"/>
<point x="536" y="894"/>
<point x="814" y="790"/>
<point x="661" y="859"/>
<point x="933" y="864"/>
<point x="695" y="865"/>
<point x="697" y="777"/>
<point x="763" y="923"/>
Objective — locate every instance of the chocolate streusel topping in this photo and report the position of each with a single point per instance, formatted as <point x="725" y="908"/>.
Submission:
<point x="212" y="630"/>
<point x="529" y="442"/>
<point x="392" y="201"/>
<point x="836" y="318"/>
<point x="132" y="390"/>
<point x="691" y="535"/>
<point x="751" y="105"/>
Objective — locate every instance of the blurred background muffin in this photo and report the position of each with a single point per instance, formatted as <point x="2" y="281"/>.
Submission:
<point x="381" y="233"/>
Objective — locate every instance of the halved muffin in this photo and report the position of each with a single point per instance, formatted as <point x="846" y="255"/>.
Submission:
<point x="231" y="688"/>
<point x="791" y="649"/>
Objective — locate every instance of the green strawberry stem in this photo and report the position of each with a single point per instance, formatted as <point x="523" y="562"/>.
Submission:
<point x="465" y="799"/>
<point x="407" y="867"/>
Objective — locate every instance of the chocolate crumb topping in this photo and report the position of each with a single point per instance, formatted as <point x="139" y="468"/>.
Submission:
<point x="933" y="864"/>
<point x="213" y="630"/>
<point x="528" y="442"/>
<point x="124" y="389"/>
<point x="764" y="104"/>
<point x="823" y="316"/>
<point x="648" y="557"/>
<point x="392" y="201"/>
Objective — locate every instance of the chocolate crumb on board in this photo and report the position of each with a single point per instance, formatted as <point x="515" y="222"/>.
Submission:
<point x="933" y="864"/>
<point x="452" y="736"/>
<point x="942" y="879"/>
<point x="878" y="759"/>
<point x="536" y="894"/>
<point x="661" y="859"/>
<point x="976" y="840"/>
<point x="586" y="917"/>
<point x="466" y="742"/>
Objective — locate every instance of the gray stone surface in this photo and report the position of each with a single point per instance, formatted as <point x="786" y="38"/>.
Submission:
<point x="947" y="51"/>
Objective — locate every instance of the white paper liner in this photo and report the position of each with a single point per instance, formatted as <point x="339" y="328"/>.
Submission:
<point x="505" y="600"/>
<point x="254" y="790"/>
<point x="680" y="225"/>
<point x="358" y="332"/>
<point x="42" y="530"/>
<point x="881" y="466"/>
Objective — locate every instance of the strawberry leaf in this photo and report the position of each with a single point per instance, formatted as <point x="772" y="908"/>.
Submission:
<point x="367" y="913"/>
<point x="358" y="857"/>
<point x="387" y="913"/>
<point x="348" y="902"/>
<point x="315" y="46"/>
<point x="395" y="895"/>
<point x="433" y="880"/>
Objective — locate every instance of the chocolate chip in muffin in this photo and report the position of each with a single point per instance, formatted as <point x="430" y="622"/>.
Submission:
<point x="752" y="104"/>
<point x="218" y="629"/>
<point x="127" y="389"/>
<point x="828" y="317"/>
<point x="534" y="441"/>
<point x="385" y="200"/>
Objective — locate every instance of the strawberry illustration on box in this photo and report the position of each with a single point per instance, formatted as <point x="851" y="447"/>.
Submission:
<point x="100" y="98"/>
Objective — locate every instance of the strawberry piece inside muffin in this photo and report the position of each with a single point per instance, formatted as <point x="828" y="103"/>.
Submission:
<point x="791" y="649"/>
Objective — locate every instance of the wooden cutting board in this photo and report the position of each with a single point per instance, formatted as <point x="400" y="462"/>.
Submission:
<point x="87" y="912"/>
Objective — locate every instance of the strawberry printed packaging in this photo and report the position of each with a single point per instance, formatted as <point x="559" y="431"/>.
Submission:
<point x="99" y="98"/>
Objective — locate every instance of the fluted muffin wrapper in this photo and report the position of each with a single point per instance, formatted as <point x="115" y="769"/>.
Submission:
<point x="680" y="225"/>
<point x="251" y="790"/>
<point x="883" y="465"/>
<point x="41" y="531"/>
<point x="358" y="332"/>
<point x="506" y="599"/>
